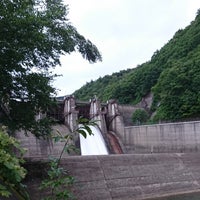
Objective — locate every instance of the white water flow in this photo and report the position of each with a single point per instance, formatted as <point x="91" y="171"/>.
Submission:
<point x="93" y="144"/>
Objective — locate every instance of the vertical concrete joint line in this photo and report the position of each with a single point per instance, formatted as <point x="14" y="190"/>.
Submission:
<point x="101" y="166"/>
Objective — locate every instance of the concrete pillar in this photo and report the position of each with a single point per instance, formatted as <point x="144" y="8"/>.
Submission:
<point x="115" y="120"/>
<point x="70" y="113"/>
<point x="97" y="114"/>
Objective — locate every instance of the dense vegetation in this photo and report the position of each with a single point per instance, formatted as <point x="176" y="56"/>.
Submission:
<point x="172" y="75"/>
<point x="102" y="86"/>
<point x="11" y="171"/>
<point x="139" y="117"/>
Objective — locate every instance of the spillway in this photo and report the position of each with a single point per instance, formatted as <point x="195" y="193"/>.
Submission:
<point x="93" y="144"/>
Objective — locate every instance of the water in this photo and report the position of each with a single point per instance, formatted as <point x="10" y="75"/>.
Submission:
<point x="93" y="144"/>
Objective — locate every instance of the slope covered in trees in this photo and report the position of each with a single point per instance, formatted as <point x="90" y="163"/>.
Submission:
<point x="172" y="75"/>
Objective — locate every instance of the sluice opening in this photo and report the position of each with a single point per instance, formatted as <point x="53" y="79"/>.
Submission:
<point x="83" y="109"/>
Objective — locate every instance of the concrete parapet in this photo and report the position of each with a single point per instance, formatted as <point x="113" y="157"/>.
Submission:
<point x="115" y="121"/>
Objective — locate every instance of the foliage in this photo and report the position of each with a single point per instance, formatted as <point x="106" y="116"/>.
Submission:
<point x="84" y="126"/>
<point x="11" y="171"/>
<point x="33" y="35"/>
<point x="139" y="116"/>
<point x="171" y="75"/>
<point x="102" y="87"/>
<point x="59" y="181"/>
<point x="178" y="90"/>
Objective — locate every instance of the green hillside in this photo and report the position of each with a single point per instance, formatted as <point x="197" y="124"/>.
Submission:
<point x="172" y="75"/>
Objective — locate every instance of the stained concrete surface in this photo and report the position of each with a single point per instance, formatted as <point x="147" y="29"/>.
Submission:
<point x="128" y="177"/>
<point x="183" y="137"/>
<point x="42" y="148"/>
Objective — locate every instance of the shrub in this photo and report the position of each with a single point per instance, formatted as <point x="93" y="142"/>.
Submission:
<point x="11" y="171"/>
<point x="140" y="116"/>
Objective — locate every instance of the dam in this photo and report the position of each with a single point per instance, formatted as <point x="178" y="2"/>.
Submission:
<point x="160" y="161"/>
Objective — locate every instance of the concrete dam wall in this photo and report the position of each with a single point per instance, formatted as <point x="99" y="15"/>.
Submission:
<point x="163" y="138"/>
<point x="42" y="148"/>
<point x="163" y="160"/>
<point x="157" y="138"/>
<point x="113" y="118"/>
<point x="126" y="177"/>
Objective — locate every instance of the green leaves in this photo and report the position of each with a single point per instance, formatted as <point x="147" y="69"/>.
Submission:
<point x="33" y="35"/>
<point x="59" y="181"/>
<point x="139" y="117"/>
<point x="4" y="192"/>
<point x="84" y="126"/>
<point x="178" y="89"/>
<point x="11" y="172"/>
<point x="104" y="87"/>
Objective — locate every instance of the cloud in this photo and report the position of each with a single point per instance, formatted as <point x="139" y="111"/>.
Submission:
<point x="127" y="33"/>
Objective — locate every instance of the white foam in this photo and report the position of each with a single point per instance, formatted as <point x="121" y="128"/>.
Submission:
<point x="93" y="144"/>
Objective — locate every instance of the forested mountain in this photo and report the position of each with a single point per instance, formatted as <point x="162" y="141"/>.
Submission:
<point x="172" y="75"/>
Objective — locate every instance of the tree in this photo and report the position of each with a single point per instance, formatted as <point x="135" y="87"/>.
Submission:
<point x="177" y="90"/>
<point x="33" y="35"/>
<point x="139" y="116"/>
<point x="11" y="171"/>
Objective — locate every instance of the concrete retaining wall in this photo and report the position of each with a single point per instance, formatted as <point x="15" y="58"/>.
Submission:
<point x="171" y="137"/>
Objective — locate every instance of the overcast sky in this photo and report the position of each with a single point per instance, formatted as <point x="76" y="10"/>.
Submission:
<point x="126" y="32"/>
